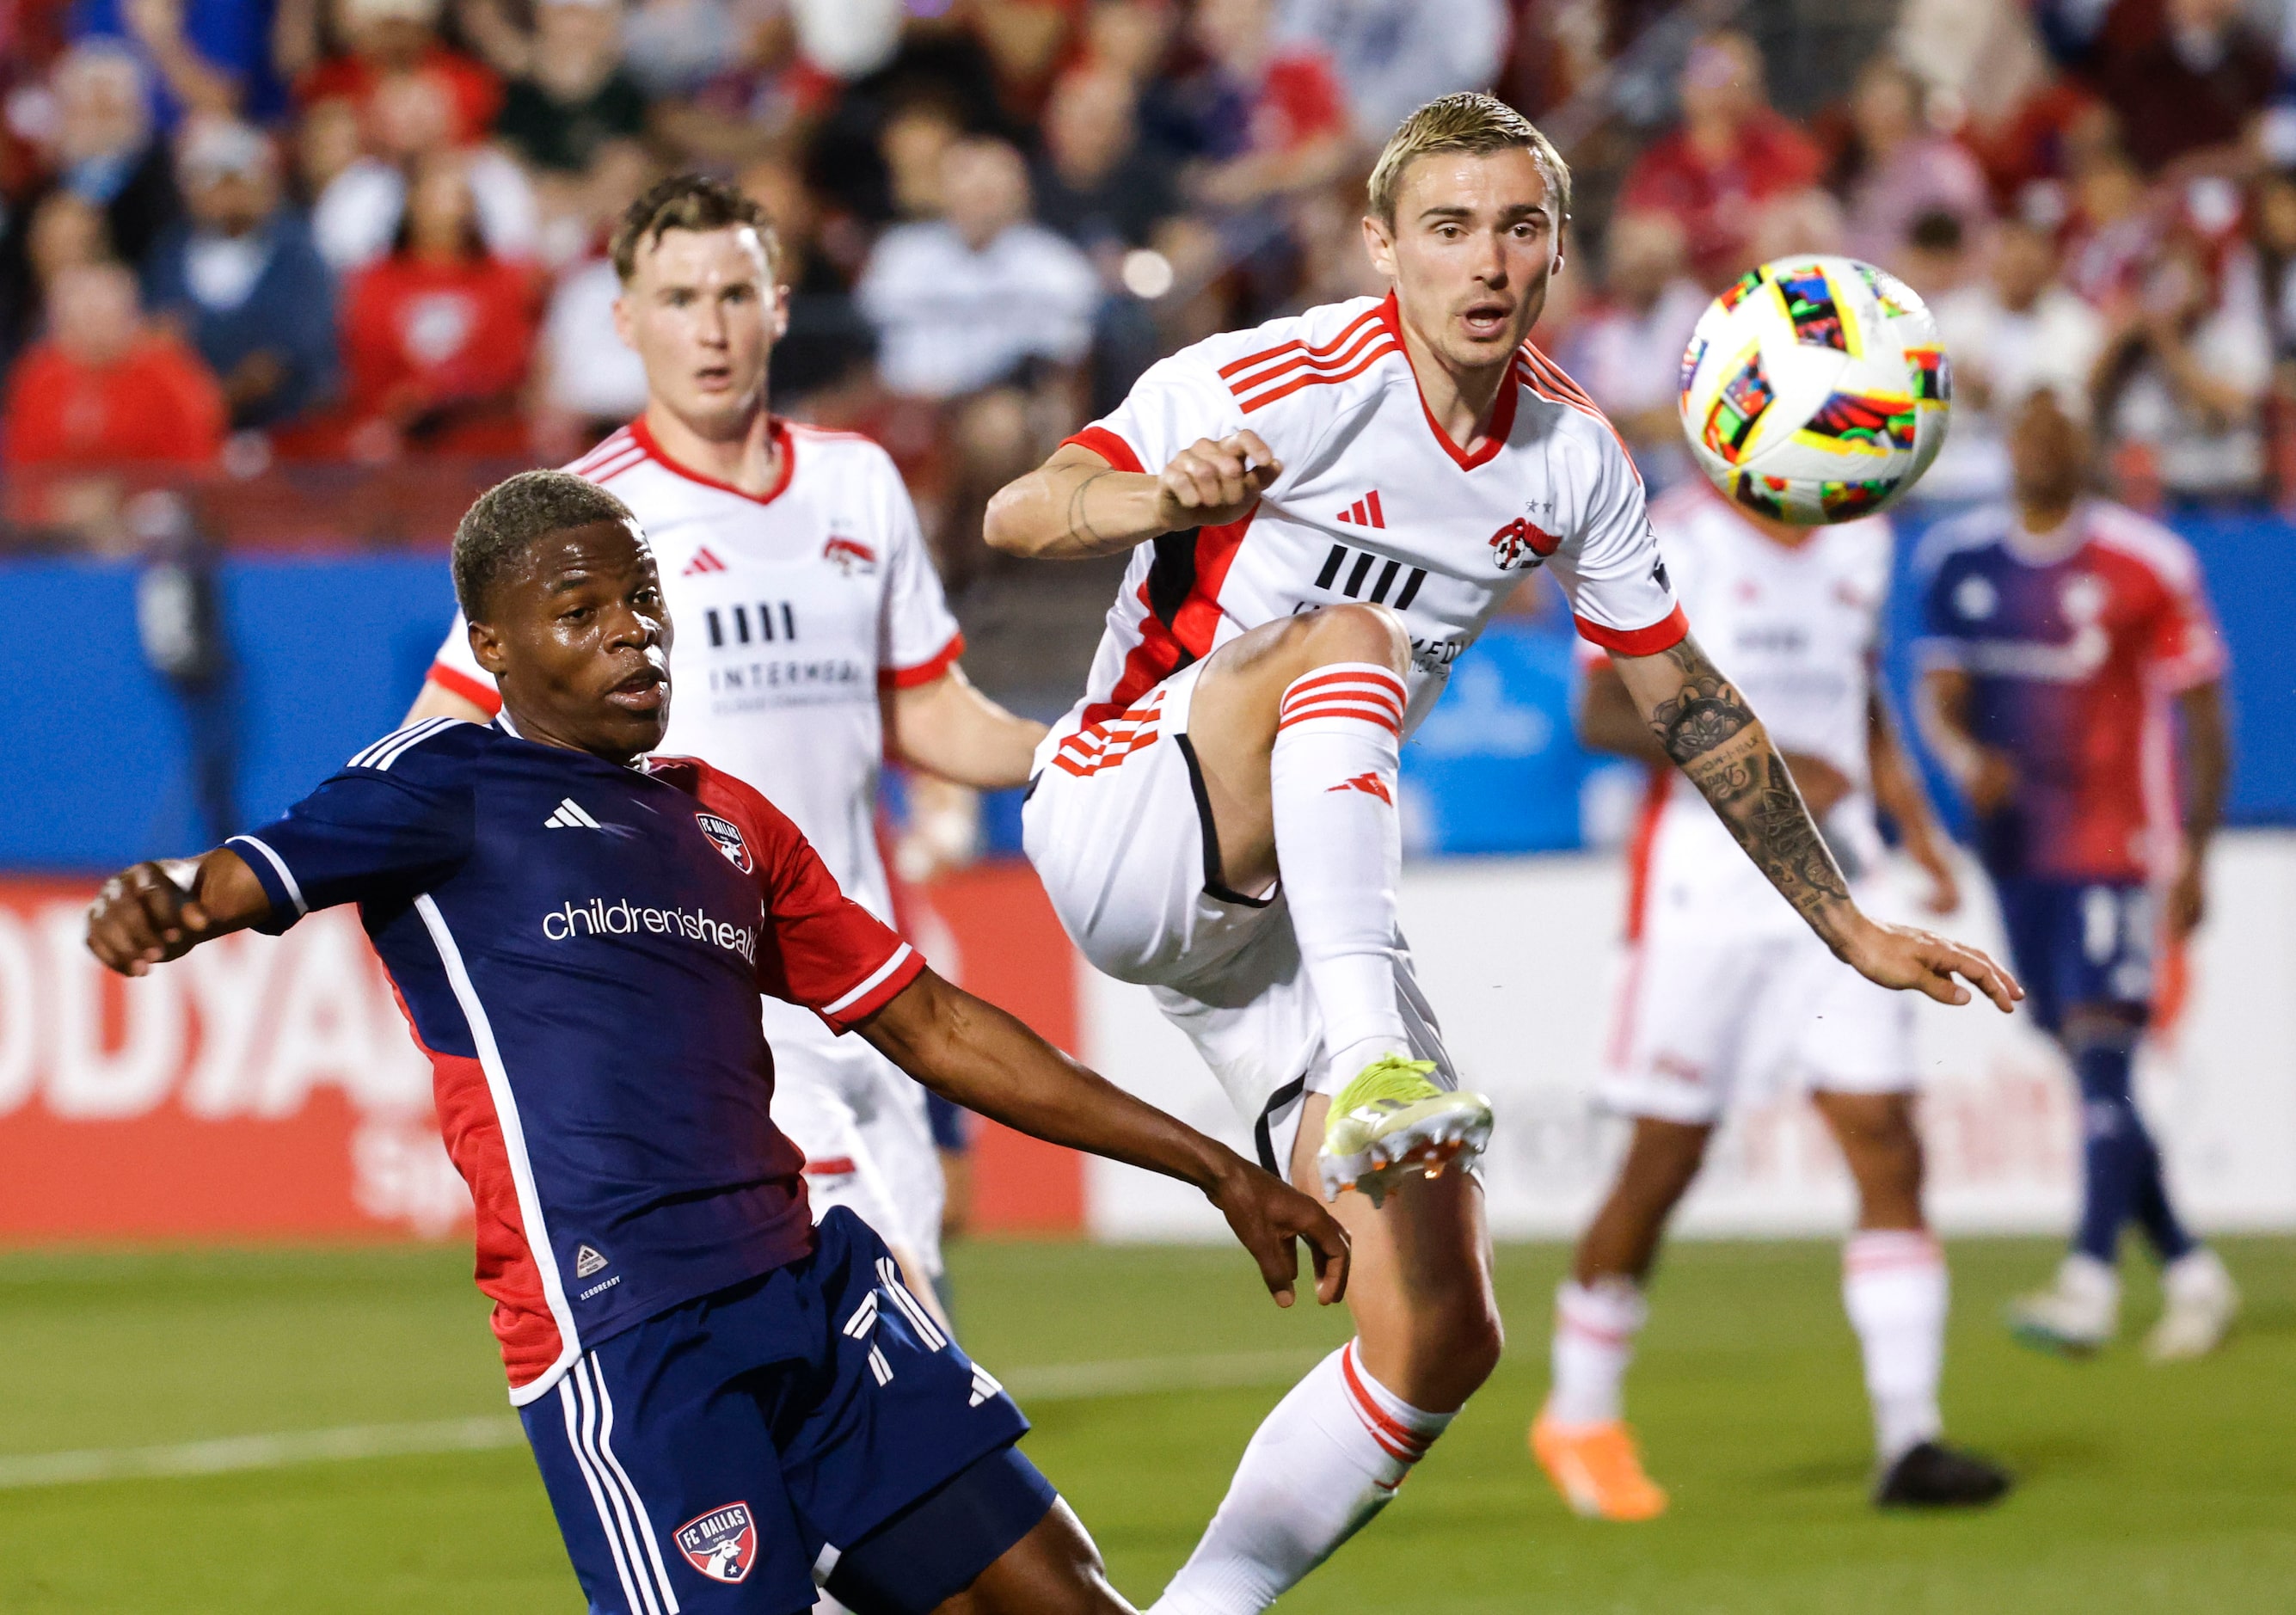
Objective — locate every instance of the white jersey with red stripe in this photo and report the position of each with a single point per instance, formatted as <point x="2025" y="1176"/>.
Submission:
<point x="1373" y="503"/>
<point x="1796" y="630"/>
<point x="793" y="609"/>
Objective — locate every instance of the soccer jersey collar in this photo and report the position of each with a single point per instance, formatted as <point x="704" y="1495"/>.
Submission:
<point x="1502" y="422"/>
<point x="785" y="444"/>
<point x="2060" y="543"/>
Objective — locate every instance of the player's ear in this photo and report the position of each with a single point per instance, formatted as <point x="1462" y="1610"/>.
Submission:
<point x="1379" y="241"/>
<point x="622" y="318"/>
<point x="781" y="311"/>
<point x="487" y="646"/>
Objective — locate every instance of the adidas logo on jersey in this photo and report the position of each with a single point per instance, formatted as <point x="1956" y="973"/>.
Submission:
<point x="587" y="1261"/>
<point x="1365" y="512"/>
<point x="570" y="815"/>
<point x="702" y="561"/>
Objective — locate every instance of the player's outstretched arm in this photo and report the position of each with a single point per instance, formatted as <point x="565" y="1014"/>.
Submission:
<point x="1075" y="504"/>
<point x="975" y="1052"/>
<point x="152" y="913"/>
<point x="1706" y="726"/>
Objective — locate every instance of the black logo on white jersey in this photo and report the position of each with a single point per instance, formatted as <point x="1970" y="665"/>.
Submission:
<point x="768" y="622"/>
<point x="1357" y="564"/>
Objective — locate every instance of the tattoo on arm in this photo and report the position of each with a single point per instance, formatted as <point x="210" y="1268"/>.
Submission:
<point x="1080" y="522"/>
<point x="1714" y="737"/>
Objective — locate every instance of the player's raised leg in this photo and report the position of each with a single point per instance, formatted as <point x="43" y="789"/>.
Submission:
<point x="1895" y="1290"/>
<point x="1581" y="1438"/>
<point x="1296" y="727"/>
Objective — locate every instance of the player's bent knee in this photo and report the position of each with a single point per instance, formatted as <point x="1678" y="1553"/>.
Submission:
<point x="1355" y="632"/>
<point x="947" y="1541"/>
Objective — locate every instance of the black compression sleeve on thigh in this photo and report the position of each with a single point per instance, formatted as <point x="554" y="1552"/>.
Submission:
<point x="938" y="1547"/>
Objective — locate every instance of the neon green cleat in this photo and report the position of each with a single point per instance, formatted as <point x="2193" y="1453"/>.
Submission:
<point x="1391" y="1122"/>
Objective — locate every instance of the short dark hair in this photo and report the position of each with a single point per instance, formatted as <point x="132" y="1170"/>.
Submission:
<point x="506" y="520"/>
<point x="689" y="201"/>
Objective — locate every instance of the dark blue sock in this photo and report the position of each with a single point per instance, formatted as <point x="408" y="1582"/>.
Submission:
<point x="2122" y="1177"/>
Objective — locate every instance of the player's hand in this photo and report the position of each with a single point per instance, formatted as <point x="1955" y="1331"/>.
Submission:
<point x="2188" y="898"/>
<point x="142" y="918"/>
<point x="1944" y="895"/>
<point x="1267" y="1215"/>
<point x="1210" y="484"/>
<point x="1910" y="959"/>
<point x="1992" y="786"/>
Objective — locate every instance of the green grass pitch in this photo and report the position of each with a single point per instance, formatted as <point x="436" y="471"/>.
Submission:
<point x="2143" y="1489"/>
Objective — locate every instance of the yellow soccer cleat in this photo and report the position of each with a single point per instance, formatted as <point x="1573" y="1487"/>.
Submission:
<point x="1597" y="1469"/>
<point x="1390" y="1122"/>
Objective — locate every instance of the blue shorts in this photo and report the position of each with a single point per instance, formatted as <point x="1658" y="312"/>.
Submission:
<point x="713" y="1457"/>
<point x="2081" y="943"/>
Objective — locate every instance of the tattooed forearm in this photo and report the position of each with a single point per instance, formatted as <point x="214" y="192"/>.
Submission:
<point x="1079" y="521"/>
<point x="1704" y="713"/>
<point x="1707" y="728"/>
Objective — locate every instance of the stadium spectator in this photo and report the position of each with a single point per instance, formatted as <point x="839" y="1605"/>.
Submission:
<point x="411" y="121"/>
<point x="104" y="387"/>
<point x="1025" y="42"/>
<point x="1732" y="152"/>
<point x="1097" y="183"/>
<point x="673" y="47"/>
<point x="389" y="41"/>
<point x="2183" y="77"/>
<point x="1892" y="167"/>
<point x="1626" y="350"/>
<point x="438" y="337"/>
<point x="2010" y="333"/>
<point x="1270" y="117"/>
<point x="2273" y="209"/>
<point x="61" y="229"/>
<point x="243" y="279"/>
<point x="976" y="299"/>
<point x="209" y="58"/>
<point x="572" y="94"/>
<point x="106" y="149"/>
<point x="2114" y="229"/>
<point x="1936" y="254"/>
<point x="1396" y="55"/>
<point x="2187" y="366"/>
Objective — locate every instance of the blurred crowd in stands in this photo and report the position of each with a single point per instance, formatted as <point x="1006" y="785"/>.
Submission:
<point x="238" y="237"/>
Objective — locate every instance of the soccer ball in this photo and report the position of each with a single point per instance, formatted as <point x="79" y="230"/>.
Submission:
<point x="1816" y="389"/>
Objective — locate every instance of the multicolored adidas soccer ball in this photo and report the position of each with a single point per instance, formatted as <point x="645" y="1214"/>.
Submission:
<point x="1816" y="389"/>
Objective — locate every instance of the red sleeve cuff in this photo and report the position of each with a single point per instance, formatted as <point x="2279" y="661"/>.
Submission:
<point x="924" y="672"/>
<point x="1108" y="446"/>
<point x="1663" y="634"/>
<point x="875" y="990"/>
<point x="479" y="692"/>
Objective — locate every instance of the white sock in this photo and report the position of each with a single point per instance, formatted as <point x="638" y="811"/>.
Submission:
<point x="1893" y="1285"/>
<point x="1324" y="1462"/>
<point x="1595" y="1331"/>
<point x="1339" y="845"/>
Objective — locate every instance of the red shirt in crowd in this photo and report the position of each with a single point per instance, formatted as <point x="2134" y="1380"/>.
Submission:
<point x="1299" y="99"/>
<point x="158" y="404"/>
<point x="441" y="349"/>
<point x="1715" y="201"/>
<point x="473" y="90"/>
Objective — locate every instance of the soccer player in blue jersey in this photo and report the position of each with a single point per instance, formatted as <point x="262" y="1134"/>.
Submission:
<point x="727" y="1403"/>
<point x="2068" y="640"/>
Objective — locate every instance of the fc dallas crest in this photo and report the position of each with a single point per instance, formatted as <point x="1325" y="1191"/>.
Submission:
<point x="726" y="836"/>
<point x="722" y="1544"/>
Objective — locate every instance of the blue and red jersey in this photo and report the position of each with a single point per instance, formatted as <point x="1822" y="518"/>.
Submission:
<point x="2075" y="642"/>
<point x="579" y="948"/>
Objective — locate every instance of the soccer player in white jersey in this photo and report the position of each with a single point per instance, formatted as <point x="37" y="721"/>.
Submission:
<point x="1322" y="514"/>
<point x="1728" y="997"/>
<point x="813" y="638"/>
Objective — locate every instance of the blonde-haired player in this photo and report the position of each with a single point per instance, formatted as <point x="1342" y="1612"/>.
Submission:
<point x="1322" y="514"/>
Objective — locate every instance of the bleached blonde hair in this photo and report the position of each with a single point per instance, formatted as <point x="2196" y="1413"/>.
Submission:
<point x="1469" y="121"/>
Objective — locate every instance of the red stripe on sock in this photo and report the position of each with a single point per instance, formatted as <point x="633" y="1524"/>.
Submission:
<point x="1400" y="1439"/>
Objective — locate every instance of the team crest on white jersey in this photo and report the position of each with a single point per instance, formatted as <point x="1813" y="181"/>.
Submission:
<point x="722" y="1544"/>
<point x="849" y="555"/>
<point x="1522" y="543"/>
<point x="726" y="836"/>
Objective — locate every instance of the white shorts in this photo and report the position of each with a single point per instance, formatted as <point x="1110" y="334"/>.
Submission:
<point x="1703" y="1024"/>
<point x="861" y="1121"/>
<point x="1122" y="835"/>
